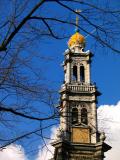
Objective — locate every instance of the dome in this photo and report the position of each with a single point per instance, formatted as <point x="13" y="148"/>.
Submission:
<point x="76" y="39"/>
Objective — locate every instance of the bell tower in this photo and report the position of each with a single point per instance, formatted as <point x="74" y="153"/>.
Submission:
<point x="80" y="123"/>
<point x="78" y="137"/>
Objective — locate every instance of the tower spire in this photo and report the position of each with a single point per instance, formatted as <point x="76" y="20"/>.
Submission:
<point x="77" y="19"/>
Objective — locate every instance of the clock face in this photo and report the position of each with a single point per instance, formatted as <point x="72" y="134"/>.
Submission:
<point x="80" y="135"/>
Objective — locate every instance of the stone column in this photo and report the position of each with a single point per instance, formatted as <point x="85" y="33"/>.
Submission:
<point x="78" y="72"/>
<point x="68" y="73"/>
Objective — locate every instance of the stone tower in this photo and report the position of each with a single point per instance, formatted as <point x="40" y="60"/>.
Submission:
<point x="78" y="137"/>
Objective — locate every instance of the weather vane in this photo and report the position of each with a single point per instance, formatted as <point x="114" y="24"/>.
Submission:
<point x="77" y="19"/>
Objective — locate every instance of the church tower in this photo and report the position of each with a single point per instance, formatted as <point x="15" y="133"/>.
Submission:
<point x="78" y="137"/>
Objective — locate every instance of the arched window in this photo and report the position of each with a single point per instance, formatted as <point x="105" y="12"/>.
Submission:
<point x="82" y="74"/>
<point x="74" y="73"/>
<point x="74" y="115"/>
<point x="84" y="116"/>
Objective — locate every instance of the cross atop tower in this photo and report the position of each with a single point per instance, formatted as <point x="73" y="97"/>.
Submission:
<point x="77" y="18"/>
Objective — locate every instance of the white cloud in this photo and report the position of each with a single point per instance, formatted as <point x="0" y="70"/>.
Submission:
<point x="47" y="152"/>
<point x="12" y="152"/>
<point x="109" y="121"/>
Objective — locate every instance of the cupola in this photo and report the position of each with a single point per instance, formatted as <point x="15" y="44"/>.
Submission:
<point x="76" y="40"/>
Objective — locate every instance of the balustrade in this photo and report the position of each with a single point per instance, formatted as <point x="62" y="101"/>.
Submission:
<point x="80" y="88"/>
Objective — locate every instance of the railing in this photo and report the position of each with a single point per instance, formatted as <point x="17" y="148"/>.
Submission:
<point x="79" y="88"/>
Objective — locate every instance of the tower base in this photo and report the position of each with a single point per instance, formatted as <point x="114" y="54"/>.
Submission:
<point x="65" y="150"/>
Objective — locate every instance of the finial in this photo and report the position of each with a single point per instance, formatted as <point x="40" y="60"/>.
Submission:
<point x="77" y="20"/>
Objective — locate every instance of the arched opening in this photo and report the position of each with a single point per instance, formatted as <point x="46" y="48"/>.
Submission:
<point x="82" y="74"/>
<point x="84" y="116"/>
<point x="74" y="115"/>
<point x="74" y="78"/>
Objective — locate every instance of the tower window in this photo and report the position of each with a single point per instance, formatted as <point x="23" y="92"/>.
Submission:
<point x="84" y="116"/>
<point x="74" y="115"/>
<point x="82" y="74"/>
<point x="74" y="73"/>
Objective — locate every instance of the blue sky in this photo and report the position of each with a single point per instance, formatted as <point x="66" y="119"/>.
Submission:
<point x="105" y="64"/>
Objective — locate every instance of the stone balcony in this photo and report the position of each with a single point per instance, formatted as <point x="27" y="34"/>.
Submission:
<point x="78" y="88"/>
